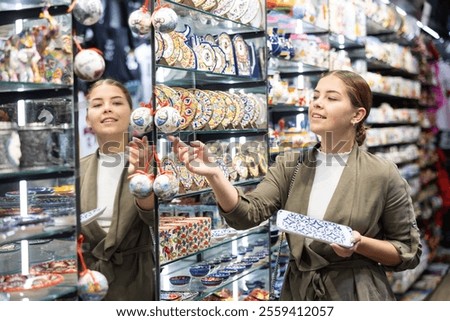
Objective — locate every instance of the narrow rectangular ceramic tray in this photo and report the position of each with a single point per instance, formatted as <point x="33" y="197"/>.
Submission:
<point x="320" y="230"/>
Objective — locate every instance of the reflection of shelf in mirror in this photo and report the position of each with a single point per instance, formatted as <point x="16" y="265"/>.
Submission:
<point x="289" y="24"/>
<point x="12" y="11"/>
<point x="284" y="66"/>
<point x="201" y="21"/>
<point x="38" y="173"/>
<point x="67" y="287"/>
<point x="174" y="76"/>
<point x="36" y="231"/>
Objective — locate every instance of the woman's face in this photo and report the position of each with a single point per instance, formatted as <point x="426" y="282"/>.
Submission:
<point x="109" y="111"/>
<point x="331" y="110"/>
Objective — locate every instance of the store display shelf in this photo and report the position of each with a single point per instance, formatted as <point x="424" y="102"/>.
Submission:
<point x="389" y="144"/>
<point x="340" y="41"/>
<point x="276" y="18"/>
<point x="206" y="190"/>
<point x="231" y="132"/>
<point x="262" y="229"/>
<point x="288" y="109"/>
<point x="37" y="231"/>
<point x="11" y="10"/>
<point x="375" y="29"/>
<point x="177" y="76"/>
<point x="393" y="123"/>
<point x="201" y="20"/>
<point x="65" y="288"/>
<point x="285" y="66"/>
<point x="383" y="96"/>
<point x="376" y="65"/>
<point x="37" y="173"/>
<point x="13" y="91"/>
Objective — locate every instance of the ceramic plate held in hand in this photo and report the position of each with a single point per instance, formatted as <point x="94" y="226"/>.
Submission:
<point x="88" y="217"/>
<point x="320" y="230"/>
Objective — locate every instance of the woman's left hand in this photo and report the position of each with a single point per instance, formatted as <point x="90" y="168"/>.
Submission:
<point x="347" y="251"/>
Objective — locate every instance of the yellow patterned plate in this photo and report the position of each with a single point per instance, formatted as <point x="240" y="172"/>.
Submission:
<point x="190" y="106"/>
<point x="219" y="108"/>
<point x="205" y="110"/>
<point x="239" y="110"/>
<point x="230" y="110"/>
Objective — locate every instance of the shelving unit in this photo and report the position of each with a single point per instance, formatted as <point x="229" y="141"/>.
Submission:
<point x="38" y="178"/>
<point x="186" y="227"/>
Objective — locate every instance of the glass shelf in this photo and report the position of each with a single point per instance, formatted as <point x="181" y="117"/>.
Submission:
<point x="284" y="66"/>
<point x="380" y="66"/>
<point x="68" y="286"/>
<point x="9" y="87"/>
<point x="288" y="109"/>
<point x="37" y="231"/>
<point x="176" y="76"/>
<point x="200" y="20"/>
<point x="289" y="24"/>
<point x="11" y="5"/>
<point x="339" y="41"/>
<point x="38" y="173"/>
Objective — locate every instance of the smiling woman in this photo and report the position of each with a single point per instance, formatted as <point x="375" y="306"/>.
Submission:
<point x="336" y="181"/>
<point x="118" y="243"/>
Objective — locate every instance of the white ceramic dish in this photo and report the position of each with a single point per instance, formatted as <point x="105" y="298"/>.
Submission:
<point x="88" y="217"/>
<point x="320" y="230"/>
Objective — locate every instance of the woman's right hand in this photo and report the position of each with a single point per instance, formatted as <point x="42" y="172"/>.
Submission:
<point x="195" y="157"/>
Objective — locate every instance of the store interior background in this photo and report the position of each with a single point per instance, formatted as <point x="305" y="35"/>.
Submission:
<point x="114" y="39"/>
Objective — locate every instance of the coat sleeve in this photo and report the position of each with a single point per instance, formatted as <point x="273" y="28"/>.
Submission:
<point x="260" y="204"/>
<point x="399" y="222"/>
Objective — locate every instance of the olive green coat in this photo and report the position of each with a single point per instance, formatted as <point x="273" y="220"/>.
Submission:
<point x="371" y="197"/>
<point x="124" y="254"/>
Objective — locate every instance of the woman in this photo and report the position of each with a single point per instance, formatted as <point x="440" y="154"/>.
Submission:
<point x="336" y="181"/>
<point x="119" y="243"/>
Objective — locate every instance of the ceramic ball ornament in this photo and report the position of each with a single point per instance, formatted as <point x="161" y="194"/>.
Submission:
<point x="164" y="20"/>
<point x="166" y="186"/>
<point x="168" y="119"/>
<point x="92" y="286"/>
<point x="88" y="65"/>
<point x="141" y="185"/>
<point x="140" y="22"/>
<point x="88" y="12"/>
<point x="141" y="120"/>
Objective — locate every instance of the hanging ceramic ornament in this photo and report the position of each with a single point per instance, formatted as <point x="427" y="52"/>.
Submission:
<point x="166" y="185"/>
<point x="141" y="120"/>
<point x="168" y="119"/>
<point x="140" y="21"/>
<point x="88" y="64"/>
<point x="92" y="285"/>
<point x="165" y="19"/>
<point x="141" y="184"/>
<point x="87" y="12"/>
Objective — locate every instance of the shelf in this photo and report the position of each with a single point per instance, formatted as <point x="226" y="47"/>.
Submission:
<point x="12" y="10"/>
<point x="200" y="20"/>
<point x="288" y="109"/>
<point x="385" y="69"/>
<point x="342" y="42"/>
<point x="37" y="231"/>
<point x="14" y="91"/>
<point x="38" y="173"/>
<point x="287" y="23"/>
<point x="177" y="76"/>
<point x="294" y="67"/>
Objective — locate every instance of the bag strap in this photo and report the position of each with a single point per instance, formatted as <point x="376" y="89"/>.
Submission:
<point x="300" y="160"/>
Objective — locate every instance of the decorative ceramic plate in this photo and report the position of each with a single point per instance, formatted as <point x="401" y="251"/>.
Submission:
<point x="230" y="110"/>
<point x="190" y="106"/>
<point x="226" y="44"/>
<point x="19" y="282"/>
<point x="58" y="267"/>
<point x="205" y="111"/>
<point x="88" y="217"/>
<point x="10" y="247"/>
<point x="238" y="9"/>
<point x="223" y="7"/>
<point x="219" y="108"/>
<point x="178" y="296"/>
<point x="220" y="234"/>
<point x="239" y="110"/>
<point x="320" y="230"/>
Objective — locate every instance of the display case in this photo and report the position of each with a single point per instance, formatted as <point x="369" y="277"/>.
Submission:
<point x="212" y="70"/>
<point x="38" y="162"/>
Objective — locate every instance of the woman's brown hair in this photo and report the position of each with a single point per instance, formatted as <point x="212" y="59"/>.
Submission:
<point x="360" y="95"/>
<point x="112" y="82"/>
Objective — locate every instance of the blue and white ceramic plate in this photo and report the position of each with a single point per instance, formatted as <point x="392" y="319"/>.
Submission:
<point x="319" y="230"/>
<point x="88" y="217"/>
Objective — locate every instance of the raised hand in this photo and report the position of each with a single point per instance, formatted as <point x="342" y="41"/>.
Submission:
<point x="139" y="154"/>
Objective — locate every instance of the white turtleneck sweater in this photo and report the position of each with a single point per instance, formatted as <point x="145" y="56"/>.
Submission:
<point x="328" y="172"/>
